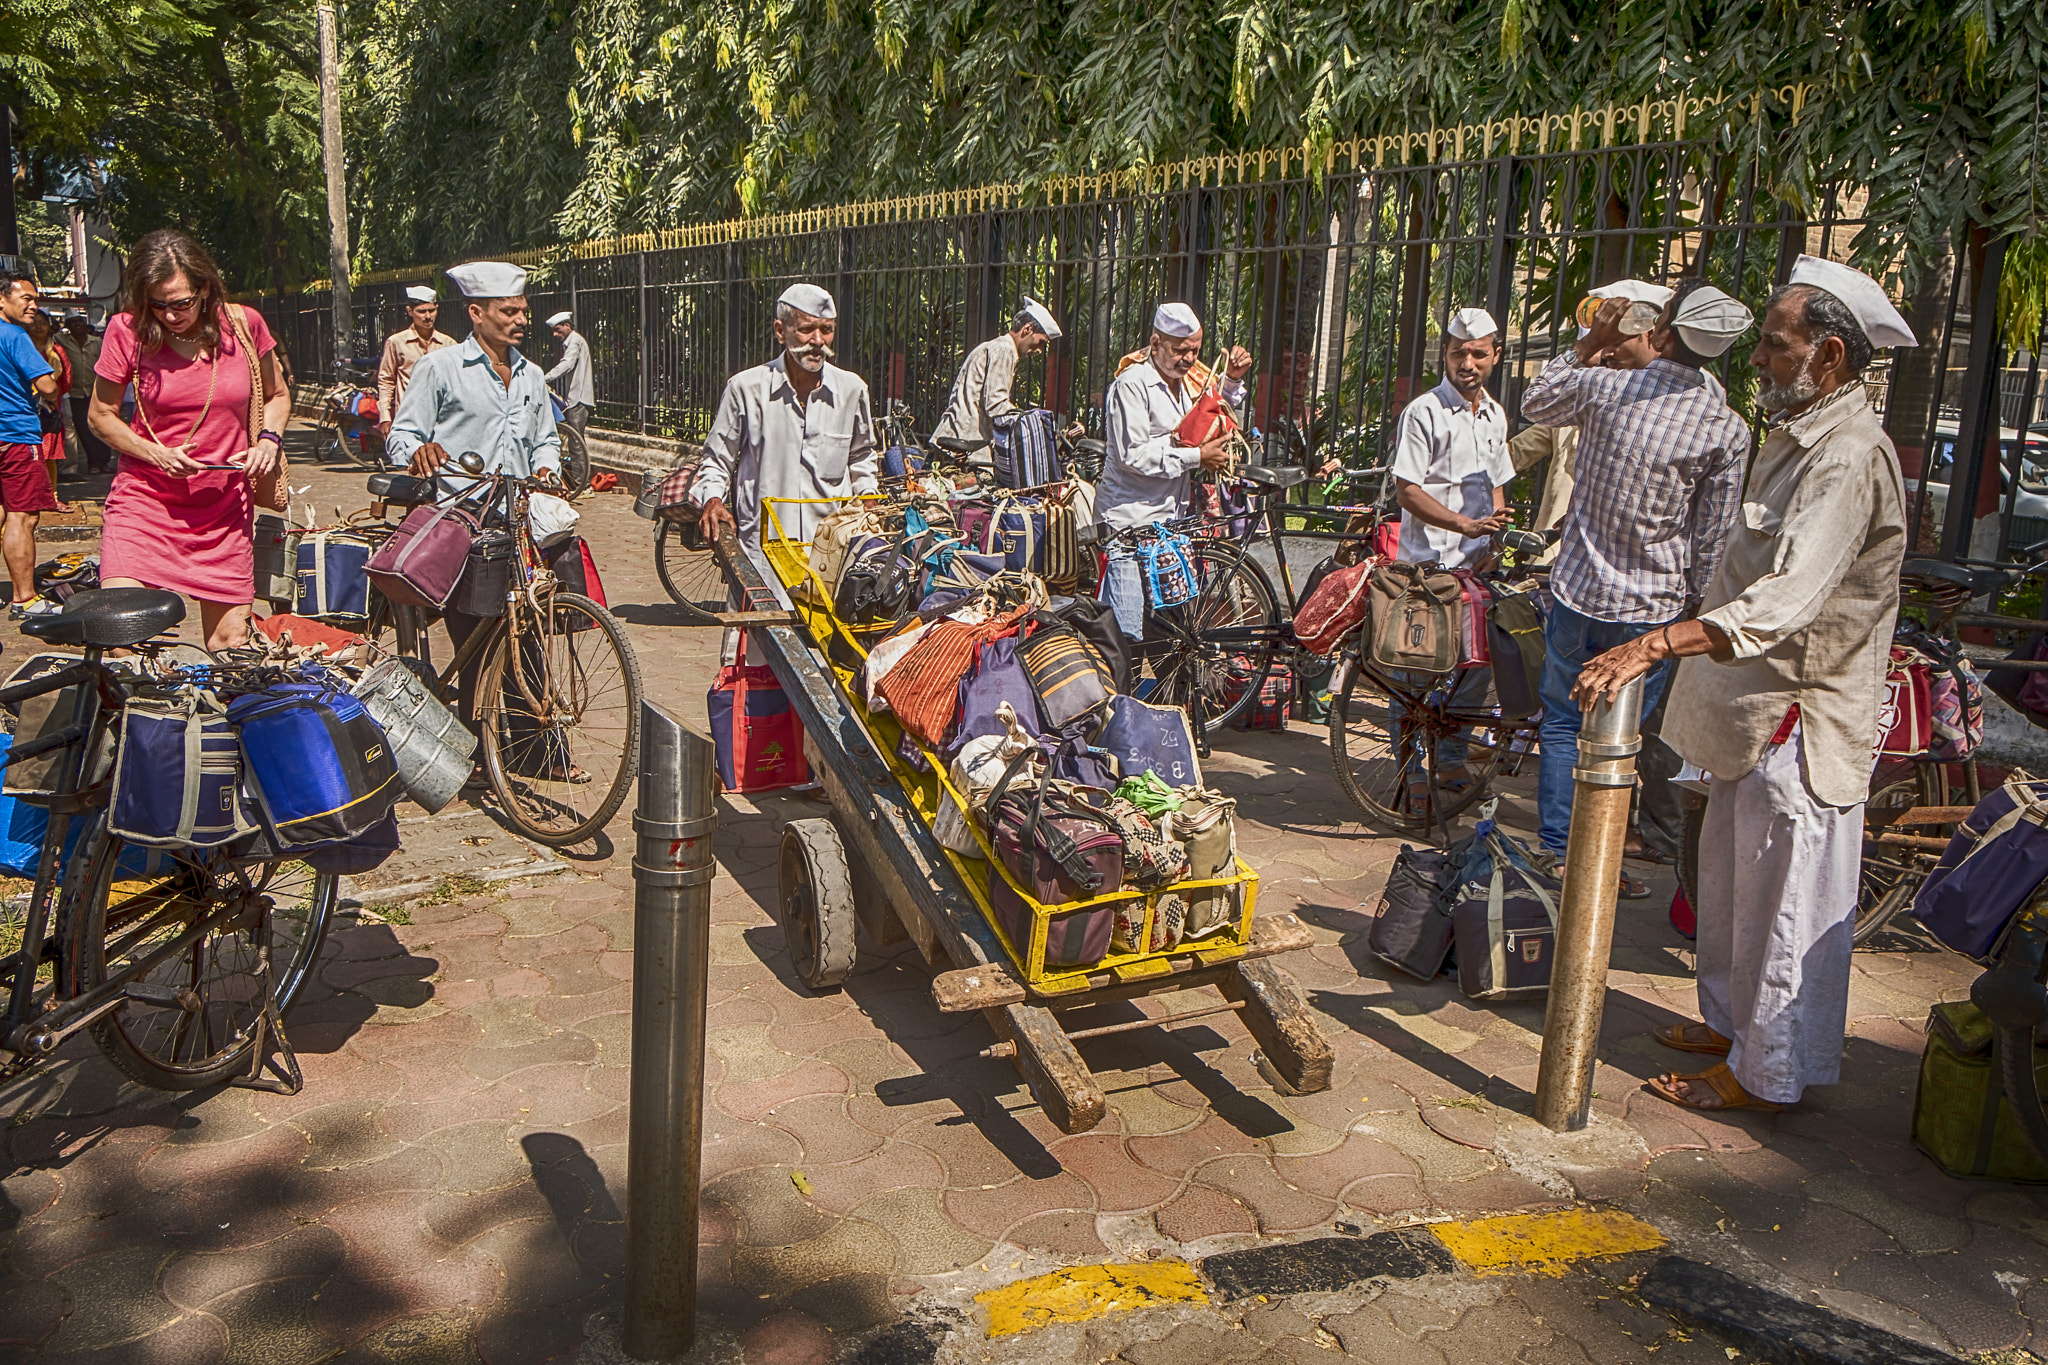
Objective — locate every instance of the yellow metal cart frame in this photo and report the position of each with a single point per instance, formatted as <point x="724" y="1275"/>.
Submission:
<point x="900" y="882"/>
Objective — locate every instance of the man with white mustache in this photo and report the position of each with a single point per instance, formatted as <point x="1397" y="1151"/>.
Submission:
<point x="796" y="427"/>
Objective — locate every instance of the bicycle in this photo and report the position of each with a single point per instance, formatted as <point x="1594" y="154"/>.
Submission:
<point x="1389" y="725"/>
<point x="181" y="962"/>
<point x="1211" y="654"/>
<point x="560" y="729"/>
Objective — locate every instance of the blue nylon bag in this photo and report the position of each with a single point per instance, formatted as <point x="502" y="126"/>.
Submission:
<point x="333" y="575"/>
<point x="1146" y="738"/>
<point x="178" y="774"/>
<point x="1991" y="865"/>
<point x="317" y="764"/>
<point x="364" y="853"/>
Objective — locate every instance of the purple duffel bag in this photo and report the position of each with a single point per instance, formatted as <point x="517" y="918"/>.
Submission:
<point x="1991" y="865"/>
<point x="423" y="561"/>
<point x="1075" y="853"/>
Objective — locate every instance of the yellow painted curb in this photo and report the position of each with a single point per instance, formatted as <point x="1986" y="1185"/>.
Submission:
<point x="1088" y="1291"/>
<point x="1545" y="1243"/>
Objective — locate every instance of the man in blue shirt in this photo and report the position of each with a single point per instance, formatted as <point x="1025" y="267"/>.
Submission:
<point x="25" y="377"/>
<point x="484" y="396"/>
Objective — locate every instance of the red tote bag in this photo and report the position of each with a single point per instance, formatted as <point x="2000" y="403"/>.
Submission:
<point x="759" y="739"/>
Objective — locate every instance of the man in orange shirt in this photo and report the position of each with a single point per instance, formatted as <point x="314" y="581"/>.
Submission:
<point x="402" y="351"/>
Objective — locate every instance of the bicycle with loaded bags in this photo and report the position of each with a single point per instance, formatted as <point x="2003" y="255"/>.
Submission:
<point x="178" y="946"/>
<point x="558" y="684"/>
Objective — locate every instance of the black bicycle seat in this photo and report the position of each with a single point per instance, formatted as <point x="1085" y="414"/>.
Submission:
<point x="1273" y="476"/>
<point x="393" y="486"/>
<point x="1091" y="445"/>
<point x="957" y="445"/>
<point x="109" y="618"/>
<point x="1935" y="571"/>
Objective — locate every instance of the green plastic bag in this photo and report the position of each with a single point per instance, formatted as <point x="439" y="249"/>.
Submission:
<point x="1148" y="794"/>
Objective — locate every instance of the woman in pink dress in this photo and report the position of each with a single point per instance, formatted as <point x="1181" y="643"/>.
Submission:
<point x="181" y="512"/>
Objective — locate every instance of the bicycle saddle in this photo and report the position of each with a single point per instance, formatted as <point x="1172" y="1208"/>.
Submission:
<point x="109" y="618"/>
<point x="393" y="486"/>
<point x="958" y="446"/>
<point x="1091" y="445"/>
<point x="1273" y="476"/>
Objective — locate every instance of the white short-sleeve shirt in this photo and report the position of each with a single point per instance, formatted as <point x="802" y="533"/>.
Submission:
<point x="1457" y="456"/>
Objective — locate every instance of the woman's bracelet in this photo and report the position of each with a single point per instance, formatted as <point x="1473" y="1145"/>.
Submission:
<point x="271" y="437"/>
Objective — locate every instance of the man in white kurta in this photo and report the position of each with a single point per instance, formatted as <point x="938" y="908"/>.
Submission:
<point x="796" y="427"/>
<point x="981" y="391"/>
<point x="1451" y="470"/>
<point x="1778" y="700"/>
<point x="1145" y="472"/>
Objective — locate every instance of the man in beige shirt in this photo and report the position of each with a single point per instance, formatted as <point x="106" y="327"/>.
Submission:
<point x="402" y="351"/>
<point x="981" y="391"/>
<point x="1778" y="700"/>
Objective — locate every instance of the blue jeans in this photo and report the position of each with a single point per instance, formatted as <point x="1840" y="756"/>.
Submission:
<point x="1570" y="642"/>
<point x="1123" y="588"/>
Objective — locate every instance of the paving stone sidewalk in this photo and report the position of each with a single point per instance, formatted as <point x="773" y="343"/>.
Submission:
<point x="450" y="1185"/>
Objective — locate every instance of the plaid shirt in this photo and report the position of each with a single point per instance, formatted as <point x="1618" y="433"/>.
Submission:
<point x="1658" y="479"/>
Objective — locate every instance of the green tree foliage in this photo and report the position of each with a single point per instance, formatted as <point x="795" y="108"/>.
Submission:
<point x="196" y="114"/>
<point x="693" y="109"/>
<point x="458" y="125"/>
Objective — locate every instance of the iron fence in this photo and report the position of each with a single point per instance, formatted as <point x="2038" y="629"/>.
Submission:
<point x="1338" y="283"/>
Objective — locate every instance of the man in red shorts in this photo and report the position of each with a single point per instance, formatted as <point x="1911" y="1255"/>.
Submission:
<point x="25" y="490"/>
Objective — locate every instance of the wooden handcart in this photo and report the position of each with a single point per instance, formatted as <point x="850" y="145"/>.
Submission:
<point x="875" y="863"/>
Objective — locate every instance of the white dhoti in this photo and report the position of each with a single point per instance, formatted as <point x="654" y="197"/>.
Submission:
<point x="1778" y="880"/>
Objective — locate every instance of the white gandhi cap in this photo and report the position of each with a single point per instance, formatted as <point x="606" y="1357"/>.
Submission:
<point x="489" y="279"/>
<point x="419" y="293"/>
<point x="1709" y="321"/>
<point x="1176" y="320"/>
<point x="1863" y="296"/>
<point x="1472" y="324"/>
<point x="808" y="298"/>
<point x="1040" y="314"/>
<point x="1636" y="291"/>
<point x="558" y="319"/>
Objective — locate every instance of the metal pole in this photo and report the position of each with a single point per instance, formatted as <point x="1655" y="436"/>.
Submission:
<point x="1977" y="427"/>
<point x="1609" y="739"/>
<point x="672" y="873"/>
<point x="342" y="321"/>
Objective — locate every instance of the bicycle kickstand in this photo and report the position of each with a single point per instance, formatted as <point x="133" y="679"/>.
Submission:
<point x="284" y="1077"/>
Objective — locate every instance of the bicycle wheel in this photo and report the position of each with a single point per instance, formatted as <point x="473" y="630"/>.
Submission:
<point x="1381" y="733"/>
<point x="1890" y="875"/>
<point x="693" y="579"/>
<point x="1189" y="662"/>
<point x="561" y="730"/>
<point x="191" y="1019"/>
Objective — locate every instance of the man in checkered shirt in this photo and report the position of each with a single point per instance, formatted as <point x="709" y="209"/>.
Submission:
<point x="1658" y="482"/>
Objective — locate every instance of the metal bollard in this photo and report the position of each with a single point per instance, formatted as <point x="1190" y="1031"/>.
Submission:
<point x="1609" y="739"/>
<point x="672" y="871"/>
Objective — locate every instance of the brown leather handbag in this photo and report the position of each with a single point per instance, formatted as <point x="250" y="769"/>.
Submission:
<point x="272" y="490"/>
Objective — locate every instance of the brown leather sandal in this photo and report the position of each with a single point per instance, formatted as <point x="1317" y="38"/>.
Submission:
<point x="1724" y="1085"/>
<point x="1673" y="1036"/>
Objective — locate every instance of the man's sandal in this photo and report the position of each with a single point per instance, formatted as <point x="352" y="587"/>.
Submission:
<point x="1673" y="1036"/>
<point x="1724" y="1085"/>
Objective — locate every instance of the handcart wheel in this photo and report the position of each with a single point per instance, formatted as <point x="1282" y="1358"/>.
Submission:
<point x="817" y="903"/>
